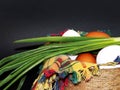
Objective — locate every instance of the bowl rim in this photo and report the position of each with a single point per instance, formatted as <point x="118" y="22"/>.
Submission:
<point x="110" y="67"/>
<point x="72" y="57"/>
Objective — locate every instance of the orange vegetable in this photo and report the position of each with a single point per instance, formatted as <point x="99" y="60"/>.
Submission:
<point x="86" y="57"/>
<point x="98" y="34"/>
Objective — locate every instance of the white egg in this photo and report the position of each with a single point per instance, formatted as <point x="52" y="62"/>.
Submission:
<point x="71" y="32"/>
<point x="108" y="54"/>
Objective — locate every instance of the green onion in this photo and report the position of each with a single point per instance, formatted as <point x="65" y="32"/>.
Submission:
<point x="21" y="63"/>
<point x="52" y="39"/>
<point x="21" y="83"/>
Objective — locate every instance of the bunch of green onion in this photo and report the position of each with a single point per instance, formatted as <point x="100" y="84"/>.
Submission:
<point x="21" y="63"/>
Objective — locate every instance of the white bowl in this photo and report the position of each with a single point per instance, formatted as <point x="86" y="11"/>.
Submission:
<point x="73" y="57"/>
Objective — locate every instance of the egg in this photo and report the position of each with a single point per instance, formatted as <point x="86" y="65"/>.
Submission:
<point x="71" y="32"/>
<point x="108" y="54"/>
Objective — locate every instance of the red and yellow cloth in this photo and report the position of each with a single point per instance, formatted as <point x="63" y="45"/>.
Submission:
<point x="58" y="71"/>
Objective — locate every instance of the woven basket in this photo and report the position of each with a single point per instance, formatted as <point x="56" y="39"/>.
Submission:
<point x="109" y="79"/>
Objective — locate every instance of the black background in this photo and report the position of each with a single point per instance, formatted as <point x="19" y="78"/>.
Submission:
<point x="25" y="19"/>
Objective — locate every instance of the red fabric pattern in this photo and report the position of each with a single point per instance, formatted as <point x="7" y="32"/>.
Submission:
<point x="49" y="73"/>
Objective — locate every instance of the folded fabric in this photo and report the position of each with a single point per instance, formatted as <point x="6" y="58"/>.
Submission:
<point x="58" y="71"/>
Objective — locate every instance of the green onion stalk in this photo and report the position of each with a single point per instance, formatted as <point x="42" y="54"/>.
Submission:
<point x="21" y="63"/>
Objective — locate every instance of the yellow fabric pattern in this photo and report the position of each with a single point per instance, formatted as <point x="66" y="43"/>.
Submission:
<point x="62" y="66"/>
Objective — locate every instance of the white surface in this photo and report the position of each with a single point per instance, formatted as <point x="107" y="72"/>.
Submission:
<point x="71" y="32"/>
<point x="108" y="54"/>
<point x="73" y="57"/>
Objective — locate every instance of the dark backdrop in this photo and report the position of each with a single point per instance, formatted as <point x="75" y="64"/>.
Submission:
<point x="24" y="19"/>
